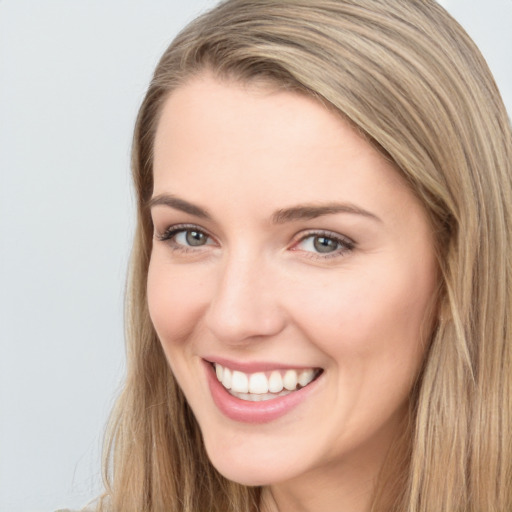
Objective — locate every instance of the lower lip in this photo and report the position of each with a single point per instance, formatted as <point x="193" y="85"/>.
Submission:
<point x="254" y="412"/>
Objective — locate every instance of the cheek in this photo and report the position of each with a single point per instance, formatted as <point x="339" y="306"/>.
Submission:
<point x="176" y="299"/>
<point x="372" y="322"/>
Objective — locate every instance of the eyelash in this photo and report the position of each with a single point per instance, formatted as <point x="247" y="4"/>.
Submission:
<point x="170" y="233"/>
<point x="345" y="244"/>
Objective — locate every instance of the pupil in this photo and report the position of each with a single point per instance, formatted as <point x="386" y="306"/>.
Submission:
<point x="324" y="244"/>
<point x="195" y="238"/>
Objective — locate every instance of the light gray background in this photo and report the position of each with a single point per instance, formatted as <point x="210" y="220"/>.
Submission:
<point x="72" y="74"/>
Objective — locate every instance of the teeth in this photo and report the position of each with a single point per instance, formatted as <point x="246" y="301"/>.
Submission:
<point x="290" y="380"/>
<point x="275" y="383"/>
<point x="258" y="383"/>
<point x="305" y="377"/>
<point x="253" y="397"/>
<point x="260" y="386"/>
<point x="226" y="378"/>
<point x="219" y="370"/>
<point x="239" y="382"/>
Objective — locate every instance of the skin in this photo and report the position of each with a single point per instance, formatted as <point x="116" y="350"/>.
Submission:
<point x="258" y="290"/>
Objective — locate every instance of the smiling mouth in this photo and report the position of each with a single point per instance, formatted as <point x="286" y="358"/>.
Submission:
<point x="261" y="386"/>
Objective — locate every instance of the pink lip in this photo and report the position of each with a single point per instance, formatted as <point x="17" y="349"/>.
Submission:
<point x="253" y="367"/>
<point x="254" y="412"/>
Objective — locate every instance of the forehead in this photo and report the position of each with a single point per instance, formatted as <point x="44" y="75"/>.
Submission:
<point x="209" y="113"/>
<point x="216" y="136"/>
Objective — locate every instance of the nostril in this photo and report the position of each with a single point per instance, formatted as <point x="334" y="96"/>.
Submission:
<point x="249" y="323"/>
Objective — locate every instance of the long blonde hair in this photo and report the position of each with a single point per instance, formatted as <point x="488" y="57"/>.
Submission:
<point x="408" y="77"/>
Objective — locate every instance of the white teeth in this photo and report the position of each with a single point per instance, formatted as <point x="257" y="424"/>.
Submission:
<point x="253" y="397"/>
<point x="305" y="377"/>
<point x="258" y="383"/>
<point x="219" y="370"/>
<point x="290" y="380"/>
<point x="262" y="386"/>
<point x="226" y="378"/>
<point x="239" y="382"/>
<point x="275" y="383"/>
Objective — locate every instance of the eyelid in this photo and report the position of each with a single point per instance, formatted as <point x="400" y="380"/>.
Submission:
<point x="171" y="231"/>
<point x="347" y="244"/>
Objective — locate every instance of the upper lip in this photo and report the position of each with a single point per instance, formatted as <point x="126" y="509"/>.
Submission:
<point x="255" y="366"/>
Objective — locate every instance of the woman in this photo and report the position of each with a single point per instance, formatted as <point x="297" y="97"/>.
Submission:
<point x="320" y="300"/>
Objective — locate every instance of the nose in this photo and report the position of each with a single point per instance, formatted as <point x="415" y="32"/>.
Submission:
<point x="245" y="305"/>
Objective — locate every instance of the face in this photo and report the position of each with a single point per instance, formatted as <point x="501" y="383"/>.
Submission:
<point x="292" y="264"/>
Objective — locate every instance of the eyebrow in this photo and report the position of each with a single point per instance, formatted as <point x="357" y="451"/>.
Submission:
<point x="294" y="213"/>
<point x="312" y="211"/>
<point x="178" y="204"/>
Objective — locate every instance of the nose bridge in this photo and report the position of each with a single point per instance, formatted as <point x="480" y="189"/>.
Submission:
<point x="245" y="302"/>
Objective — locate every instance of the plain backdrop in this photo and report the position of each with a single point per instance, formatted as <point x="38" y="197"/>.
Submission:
<point x="72" y="74"/>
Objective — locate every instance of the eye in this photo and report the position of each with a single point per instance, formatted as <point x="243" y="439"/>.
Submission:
<point x="324" y="244"/>
<point x="191" y="237"/>
<point x="185" y="237"/>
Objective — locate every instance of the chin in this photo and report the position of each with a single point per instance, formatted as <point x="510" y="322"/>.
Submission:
<point x="247" y="474"/>
<point x="246" y="469"/>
